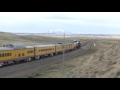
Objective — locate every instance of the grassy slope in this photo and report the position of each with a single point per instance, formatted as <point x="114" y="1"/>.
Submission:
<point x="28" y="39"/>
<point x="103" y="61"/>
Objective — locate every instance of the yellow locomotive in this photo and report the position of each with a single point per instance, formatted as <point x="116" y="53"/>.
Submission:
<point x="12" y="53"/>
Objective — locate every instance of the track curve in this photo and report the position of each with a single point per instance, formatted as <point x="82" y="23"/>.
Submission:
<point x="17" y="70"/>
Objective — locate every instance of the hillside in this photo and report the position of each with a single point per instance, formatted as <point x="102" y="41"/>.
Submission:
<point x="103" y="61"/>
<point x="6" y="37"/>
<point x="99" y="62"/>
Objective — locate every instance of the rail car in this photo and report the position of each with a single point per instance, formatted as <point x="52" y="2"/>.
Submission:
<point x="44" y="50"/>
<point x="13" y="53"/>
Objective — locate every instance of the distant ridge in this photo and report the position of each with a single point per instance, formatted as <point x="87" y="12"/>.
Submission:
<point x="54" y="34"/>
<point x="65" y="34"/>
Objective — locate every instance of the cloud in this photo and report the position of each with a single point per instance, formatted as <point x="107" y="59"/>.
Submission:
<point x="105" y="19"/>
<point x="58" y="21"/>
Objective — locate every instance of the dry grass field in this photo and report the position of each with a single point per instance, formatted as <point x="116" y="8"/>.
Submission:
<point x="103" y="61"/>
<point x="31" y="39"/>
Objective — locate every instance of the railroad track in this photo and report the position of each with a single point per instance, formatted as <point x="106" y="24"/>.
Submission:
<point x="16" y="70"/>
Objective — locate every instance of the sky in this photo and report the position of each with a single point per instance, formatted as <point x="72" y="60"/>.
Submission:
<point x="68" y="22"/>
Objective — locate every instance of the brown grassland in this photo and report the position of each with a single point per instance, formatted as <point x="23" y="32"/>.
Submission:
<point x="102" y="61"/>
<point x="32" y="39"/>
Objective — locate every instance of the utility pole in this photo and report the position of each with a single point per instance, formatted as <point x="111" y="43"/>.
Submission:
<point x="64" y="49"/>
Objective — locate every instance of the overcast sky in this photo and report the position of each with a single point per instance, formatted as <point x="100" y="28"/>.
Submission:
<point x="77" y="22"/>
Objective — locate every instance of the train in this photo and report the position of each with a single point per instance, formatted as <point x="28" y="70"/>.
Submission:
<point x="13" y="53"/>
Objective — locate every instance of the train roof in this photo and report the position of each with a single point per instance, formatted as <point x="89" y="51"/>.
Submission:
<point x="49" y="45"/>
<point x="5" y="48"/>
<point x="29" y="47"/>
<point x="15" y="46"/>
<point x="9" y="48"/>
<point x="58" y="44"/>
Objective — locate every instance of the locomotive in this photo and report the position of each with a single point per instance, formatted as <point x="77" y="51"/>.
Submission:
<point x="13" y="53"/>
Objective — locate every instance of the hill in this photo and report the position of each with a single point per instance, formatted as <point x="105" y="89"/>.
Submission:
<point x="103" y="61"/>
<point x="6" y="37"/>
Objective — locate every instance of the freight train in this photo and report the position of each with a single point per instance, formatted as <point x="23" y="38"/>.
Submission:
<point x="13" y="53"/>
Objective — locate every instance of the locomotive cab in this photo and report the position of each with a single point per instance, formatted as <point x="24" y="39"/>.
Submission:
<point x="78" y="43"/>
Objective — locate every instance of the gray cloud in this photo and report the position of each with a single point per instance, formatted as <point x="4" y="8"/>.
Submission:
<point x="60" y="16"/>
<point x="70" y="22"/>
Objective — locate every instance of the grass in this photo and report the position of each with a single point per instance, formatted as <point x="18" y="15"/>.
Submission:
<point x="31" y="39"/>
<point x="99" y="62"/>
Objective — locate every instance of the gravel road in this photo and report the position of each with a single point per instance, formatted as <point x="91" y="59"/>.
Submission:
<point x="13" y="71"/>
